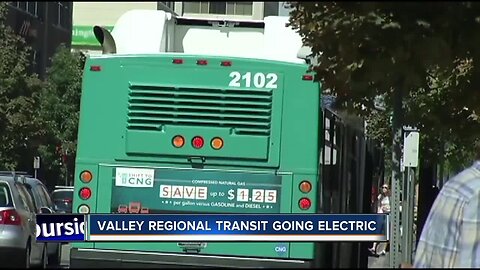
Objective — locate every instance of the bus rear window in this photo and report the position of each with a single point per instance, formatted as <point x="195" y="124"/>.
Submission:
<point x="5" y="198"/>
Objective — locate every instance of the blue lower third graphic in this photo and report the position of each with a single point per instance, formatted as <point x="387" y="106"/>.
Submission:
<point x="60" y="228"/>
<point x="281" y="228"/>
<point x="238" y="227"/>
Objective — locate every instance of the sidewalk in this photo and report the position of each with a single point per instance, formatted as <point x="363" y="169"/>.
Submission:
<point x="378" y="262"/>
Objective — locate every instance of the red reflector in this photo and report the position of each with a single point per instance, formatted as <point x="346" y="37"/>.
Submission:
<point x="226" y="63"/>
<point x="307" y="77"/>
<point x="10" y="217"/>
<point x="95" y="68"/>
<point x="202" y="62"/>
<point x="177" y="61"/>
<point x="85" y="193"/>
<point x="197" y="142"/>
<point x="304" y="203"/>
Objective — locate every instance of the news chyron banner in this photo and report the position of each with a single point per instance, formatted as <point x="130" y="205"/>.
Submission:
<point x="212" y="227"/>
<point x="60" y="228"/>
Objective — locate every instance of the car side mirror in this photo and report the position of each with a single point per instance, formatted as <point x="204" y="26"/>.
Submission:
<point x="45" y="210"/>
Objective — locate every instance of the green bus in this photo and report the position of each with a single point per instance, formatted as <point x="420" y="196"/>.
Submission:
<point x="179" y="133"/>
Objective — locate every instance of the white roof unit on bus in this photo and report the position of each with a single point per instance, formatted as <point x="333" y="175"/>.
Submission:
<point x="157" y="31"/>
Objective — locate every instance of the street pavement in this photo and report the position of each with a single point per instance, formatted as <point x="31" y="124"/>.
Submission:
<point x="378" y="262"/>
<point x="65" y="258"/>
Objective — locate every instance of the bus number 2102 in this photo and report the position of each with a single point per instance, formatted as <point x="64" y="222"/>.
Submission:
<point x="259" y="80"/>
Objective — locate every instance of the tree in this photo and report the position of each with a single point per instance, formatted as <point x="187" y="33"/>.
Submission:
<point x="59" y="111"/>
<point x="419" y="56"/>
<point x="18" y="124"/>
<point x="424" y="50"/>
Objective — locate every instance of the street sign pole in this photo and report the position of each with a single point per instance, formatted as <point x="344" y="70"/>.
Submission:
<point x="36" y="165"/>
<point x="411" y="138"/>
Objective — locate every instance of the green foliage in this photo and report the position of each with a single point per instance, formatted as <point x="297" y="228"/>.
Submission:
<point x="427" y="50"/>
<point x="59" y="109"/>
<point x="18" y="125"/>
<point x="37" y="116"/>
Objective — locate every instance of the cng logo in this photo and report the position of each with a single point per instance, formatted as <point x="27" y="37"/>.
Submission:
<point x="281" y="249"/>
<point x="132" y="177"/>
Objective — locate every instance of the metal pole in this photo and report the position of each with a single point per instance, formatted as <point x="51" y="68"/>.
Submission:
<point x="411" y="205"/>
<point x="405" y="216"/>
<point x="35" y="173"/>
<point x="397" y="120"/>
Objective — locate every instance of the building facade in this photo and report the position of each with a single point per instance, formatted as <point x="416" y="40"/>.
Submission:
<point x="44" y="26"/>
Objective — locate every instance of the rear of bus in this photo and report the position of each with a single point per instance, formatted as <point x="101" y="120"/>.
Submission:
<point x="176" y="133"/>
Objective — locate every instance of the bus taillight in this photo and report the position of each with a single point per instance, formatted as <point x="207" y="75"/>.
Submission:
<point x="216" y="143"/>
<point x="178" y="141"/>
<point x="85" y="193"/>
<point x="305" y="187"/>
<point x="86" y="176"/>
<point x="197" y="142"/>
<point x="202" y="62"/>
<point x="226" y="63"/>
<point x="177" y="61"/>
<point x="83" y="209"/>
<point x="304" y="203"/>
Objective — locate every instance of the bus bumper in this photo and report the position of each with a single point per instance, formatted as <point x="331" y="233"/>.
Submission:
<point x="102" y="258"/>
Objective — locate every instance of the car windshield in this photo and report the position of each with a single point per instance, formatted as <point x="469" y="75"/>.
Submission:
<point x="61" y="195"/>
<point x="5" y="200"/>
<point x="63" y="200"/>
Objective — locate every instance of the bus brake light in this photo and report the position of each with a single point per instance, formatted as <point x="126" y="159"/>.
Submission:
<point x="85" y="193"/>
<point x="304" y="203"/>
<point x="197" y="142"/>
<point x="226" y="63"/>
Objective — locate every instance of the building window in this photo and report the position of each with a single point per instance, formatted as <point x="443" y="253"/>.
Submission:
<point x="41" y="10"/>
<point x="22" y="5"/>
<point x="222" y="8"/>
<point x="63" y="14"/>
<point x="32" y="8"/>
<point x="29" y="7"/>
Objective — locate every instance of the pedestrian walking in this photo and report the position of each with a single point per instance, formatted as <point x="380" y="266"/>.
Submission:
<point x="451" y="235"/>
<point x="383" y="207"/>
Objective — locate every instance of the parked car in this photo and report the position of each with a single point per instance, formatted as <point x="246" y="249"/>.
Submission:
<point x="18" y="224"/>
<point x="43" y="204"/>
<point x="62" y="198"/>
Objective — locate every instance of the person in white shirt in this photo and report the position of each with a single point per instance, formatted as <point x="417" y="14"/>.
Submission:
<point x="383" y="206"/>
